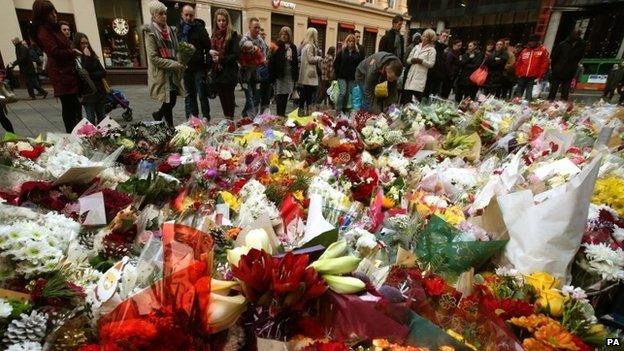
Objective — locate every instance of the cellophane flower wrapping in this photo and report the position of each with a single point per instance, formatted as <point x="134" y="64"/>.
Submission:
<point x="172" y="313"/>
<point x="438" y="247"/>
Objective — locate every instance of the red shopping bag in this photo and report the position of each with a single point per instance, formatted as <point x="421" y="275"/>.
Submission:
<point x="479" y="76"/>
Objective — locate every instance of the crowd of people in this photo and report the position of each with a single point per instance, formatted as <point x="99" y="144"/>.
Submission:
<point x="431" y="64"/>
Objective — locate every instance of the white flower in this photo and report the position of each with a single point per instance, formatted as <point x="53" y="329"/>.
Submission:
<point x="25" y="346"/>
<point x="575" y="293"/>
<point x="605" y="261"/>
<point x="398" y="162"/>
<point x="433" y="200"/>
<point x="618" y="234"/>
<point x="5" y="308"/>
<point x="225" y="155"/>
<point x="367" y="158"/>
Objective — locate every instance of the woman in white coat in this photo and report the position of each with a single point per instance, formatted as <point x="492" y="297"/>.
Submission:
<point x="308" y="75"/>
<point x="421" y="59"/>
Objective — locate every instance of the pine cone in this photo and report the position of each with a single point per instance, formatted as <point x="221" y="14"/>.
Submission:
<point x="26" y="328"/>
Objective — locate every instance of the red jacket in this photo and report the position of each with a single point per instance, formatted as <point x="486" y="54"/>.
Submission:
<point x="532" y="63"/>
<point x="61" y="59"/>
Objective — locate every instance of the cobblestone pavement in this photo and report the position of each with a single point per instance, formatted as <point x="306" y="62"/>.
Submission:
<point x="32" y="117"/>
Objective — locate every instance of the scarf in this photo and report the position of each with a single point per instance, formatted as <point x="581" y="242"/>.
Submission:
<point x="165" y="44"/>
<point x="218" y="44"/>
<point x="288" y="52"/>
<point x="186" y="30"/>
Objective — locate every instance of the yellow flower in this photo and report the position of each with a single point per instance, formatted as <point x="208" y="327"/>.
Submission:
<point x="532" y="322"/>
<point x="230" y="200"/>
<point x="597" y="330"/>
<point x="388" y="203"/>
<point x="505" y="124"/>
<point x="552" y="300"/>
<point x="422" y="209"/>
<point x="610" y="191"/>
<point x="541" y="281"/>
<point x="298" y="195"/>
<point x="454" y="215"/>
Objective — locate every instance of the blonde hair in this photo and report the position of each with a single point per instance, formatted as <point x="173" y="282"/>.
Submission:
<point x="345" y="43"/>
<point x="311" y="37"/>
<point x="230" y="30"/>
<point x="429" y="34"/>
<point x="156" y="7"/>
<point x="288" y="31"/>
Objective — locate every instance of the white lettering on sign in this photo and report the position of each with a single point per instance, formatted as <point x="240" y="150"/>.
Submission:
<point x="285" y="4"/>
<point x="597" y="78"/>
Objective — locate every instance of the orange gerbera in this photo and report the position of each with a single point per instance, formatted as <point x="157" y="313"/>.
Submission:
<point x="556" y="336"/>
<point x="532" y="322"/>
<point x="531" y="344"/>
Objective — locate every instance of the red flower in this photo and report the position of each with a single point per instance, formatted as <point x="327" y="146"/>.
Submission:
<point x="326" y="346"/>
<point x="254" y="270"/>
<point x="580" y="344"/>
<point x="344" y="153"/>
<point x="133" y="334"/>
<point x="434" y="285"/>
<point x="114" y="202"/>
<point x="165" y="167"/>
<point x="535" y="132"/>
<point x="364" y="181"/>
<point x="34" y="153"/>
<point x="287" y="272"/>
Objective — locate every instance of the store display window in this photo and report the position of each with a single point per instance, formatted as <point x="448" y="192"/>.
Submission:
<point x="119" y="23"/>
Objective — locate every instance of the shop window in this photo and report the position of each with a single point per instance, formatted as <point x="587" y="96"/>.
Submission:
<point x="119" y="23"/>
<point x="370" y="40"/>
<point x="277" y="22"/>
<point x="235" y="16"/>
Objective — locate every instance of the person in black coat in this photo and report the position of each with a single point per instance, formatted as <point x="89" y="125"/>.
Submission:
<point x="392" y="41"/>
<point x="94" y="103"/>
<point x="469" y="62"/>
<point x="345" y="64"/>
<point x="452" y="65"/>
<point x="284" y="69"/>
<point x="564" y="63"/>
<point x="193" y="31"/>
<point x="496" y="70"/>
<point x="438" y="73"/>
<point x="225" y="51"/>
<point x="27" y="68"/>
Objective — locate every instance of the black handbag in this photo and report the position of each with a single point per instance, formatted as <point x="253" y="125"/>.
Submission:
<point x="86" y="87"/>
<point x="210" y="85"/>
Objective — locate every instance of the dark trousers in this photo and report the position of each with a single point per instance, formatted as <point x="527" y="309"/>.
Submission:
<point x="621" y="91"/>
<point x="195" y="87"/>
<point x="525" y="86"/>
<point x="166" y="109"/>
<point x="32" y="84"/>
<point x="306" y="96"/>
<point x="447" y="86"/>
<point x="226" y="96"/>
<point x="466" y="91"/>
<point x="4" y="120"/>
<point x="281" y="101"/>
<point x="555" y="84"/>
<point x="433" y="85"/>
<point x="497" y="90"/>
<point x="408" y="95"/>
<point x="94" y="112"/>
<point x="264" y="98"/>
<point x="71" y="110"/>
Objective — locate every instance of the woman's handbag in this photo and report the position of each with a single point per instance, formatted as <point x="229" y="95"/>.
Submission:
<point x="107" y="87"/>
<point x="294" y="96"/>
<point x="479" y="76"/>
<point x="86" y="87"/>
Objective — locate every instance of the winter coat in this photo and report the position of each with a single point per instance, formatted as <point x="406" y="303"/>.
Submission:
<point x="228" y="67"/>
<point x="389" y="41"/>
<point x="308" y="73"/>
<point x="369" y="73"/>
<point x="533" y="63"/>
<point x="566" y="57"/>
<point x="24" y="61"/>
<point x="439" y="68"/>
<point x="61" y="65"/>
<point x="453" y="63"/>
<point x="198" y="37"/>
<point x="346" y="63"/>
<point x="496" y="68"/>
<point x="614" y="78"/>
<point x="96" y="72"/>
<point x="417" y="76"/>
<point x="277" y="61"/>
<point x="159" y="68"/>
<point x="469" y="64"/>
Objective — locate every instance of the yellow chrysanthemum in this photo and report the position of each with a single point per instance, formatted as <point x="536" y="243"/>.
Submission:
<point x="230" y="200"/>
<point x="532" y="322"/>
<point x="610" y="191"/>
<point x="388" y="203"/>
<point x="453" y="215"/>
<point x="298" y="195"/>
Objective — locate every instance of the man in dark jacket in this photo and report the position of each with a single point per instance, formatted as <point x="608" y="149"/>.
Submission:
<point x="27" y="68"/>
<point x="382" y="67"/>
<point x="438" y="73"/>
<point x="193" y="31"/>
<point x="392" y="41"/>
<point x="564" y="62"/>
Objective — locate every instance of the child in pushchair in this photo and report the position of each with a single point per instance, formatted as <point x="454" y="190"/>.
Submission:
<point x="117" y="99"/>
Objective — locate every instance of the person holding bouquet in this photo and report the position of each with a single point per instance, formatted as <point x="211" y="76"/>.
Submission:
<point x="164" y="70"/>
<point x="225" y="53"/>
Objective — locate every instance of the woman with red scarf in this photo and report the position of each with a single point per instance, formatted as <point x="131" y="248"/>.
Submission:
<point x="164" y="71"/>
<point x="61" y="66"/>
<point x="225" y="53"/>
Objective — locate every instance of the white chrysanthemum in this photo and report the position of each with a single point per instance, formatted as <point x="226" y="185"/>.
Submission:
<point x="59" y="162"/>
<point x="603" y="253"/>
<point x="399" y="163"/>
<point x="574" y="292"/>
<point x="618" y="234"/>
<point x="25" y="346"/>
<point x="5" y="308"/>
<point x="506" y="272"/>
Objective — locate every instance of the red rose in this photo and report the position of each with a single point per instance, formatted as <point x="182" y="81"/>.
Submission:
<point x="434" y="285"/>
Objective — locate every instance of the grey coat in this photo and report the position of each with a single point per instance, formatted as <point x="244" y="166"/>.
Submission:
<point x="369" y="73"/>
<point x="158" y="68"/>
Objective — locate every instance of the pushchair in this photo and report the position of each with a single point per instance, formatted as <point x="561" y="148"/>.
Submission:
<point x="117" y="99"/>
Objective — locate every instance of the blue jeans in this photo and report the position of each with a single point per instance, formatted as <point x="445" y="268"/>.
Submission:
<point x="345" y="87"/>
<point x="95" y="112"/>
<point x="252" y="97"/>
<point x="194" y="86"/>
<point x="525" y="85"/>
<point x="366" y="99"/>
